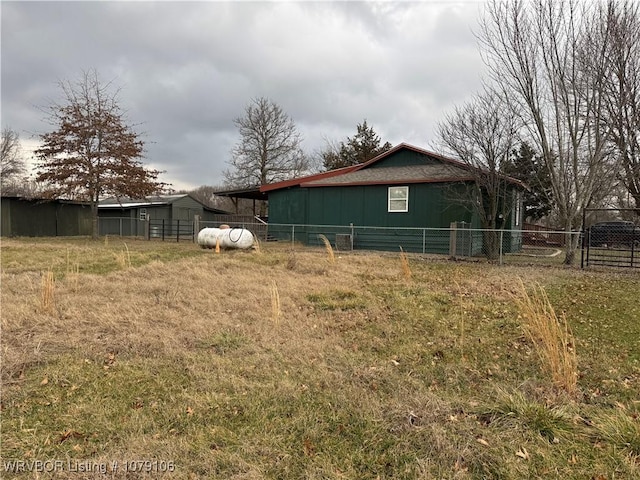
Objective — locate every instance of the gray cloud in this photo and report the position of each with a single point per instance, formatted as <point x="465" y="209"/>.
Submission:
<point x="188" y="69"/>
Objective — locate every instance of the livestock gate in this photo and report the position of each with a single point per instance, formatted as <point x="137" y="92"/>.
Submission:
<point x="611" y="237"/>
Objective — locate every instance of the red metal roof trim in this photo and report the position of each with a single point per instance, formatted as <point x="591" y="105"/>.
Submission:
<point x="309" y="178"/>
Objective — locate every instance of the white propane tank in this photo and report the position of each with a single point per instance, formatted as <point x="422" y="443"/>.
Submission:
<point x="227" y="237"/>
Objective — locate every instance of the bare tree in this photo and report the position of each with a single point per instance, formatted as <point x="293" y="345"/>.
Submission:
<point x="12" y="165"/>
<point x="92" y="152"/>
<point x="620" y="23"/>
<point x="482" y="134"/>
<point x="538" y="53"/>
<point x="269" y="147"/>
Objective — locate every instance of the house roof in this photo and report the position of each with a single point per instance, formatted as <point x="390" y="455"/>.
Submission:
<point x="152" y="201"/>
<point x="391" y="175"/>
<point x="113" y="202"/>
<point x="309" y="178"/>
<point x="448" y="170"/>
<point x="38" y="200"/>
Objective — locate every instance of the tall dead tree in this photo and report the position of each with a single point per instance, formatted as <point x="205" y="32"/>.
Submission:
<point x="12" y="165"/>
<point x="619" y="23"/>
<point x="268" y="150"/>
<point x="482" y="134"/>
<point x="92" y="152"/>
<point x="269" y="147"/>
<point x="535" y="51"/>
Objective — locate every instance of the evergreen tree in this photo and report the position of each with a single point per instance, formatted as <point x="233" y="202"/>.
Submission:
<point x="360" y="148"/>
<point x="526" y="165"/>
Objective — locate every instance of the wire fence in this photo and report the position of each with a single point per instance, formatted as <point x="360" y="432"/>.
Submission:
<point x="537" y="246"/>
<point x="459" y="241"/>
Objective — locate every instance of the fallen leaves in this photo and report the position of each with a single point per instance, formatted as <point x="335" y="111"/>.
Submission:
<point x="67" y="434"/>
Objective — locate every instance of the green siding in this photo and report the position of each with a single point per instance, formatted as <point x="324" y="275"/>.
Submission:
<point x="288" y="206"/>
<point x="404" y="158"/>
<point x="186" y="208"/>
<point x="162" y="212"/>
<point x="32" y="218"/>
<point x="368" y="205"/>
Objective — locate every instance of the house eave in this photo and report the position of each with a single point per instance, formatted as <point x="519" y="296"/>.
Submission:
<point x="390" y="182"/>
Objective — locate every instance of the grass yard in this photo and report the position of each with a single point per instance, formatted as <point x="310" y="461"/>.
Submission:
<point x="162" y="360"/>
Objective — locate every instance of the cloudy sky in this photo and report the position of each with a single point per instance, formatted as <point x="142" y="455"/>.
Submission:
<point x="187" y="69"/>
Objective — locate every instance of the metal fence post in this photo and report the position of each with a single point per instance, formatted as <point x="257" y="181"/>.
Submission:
<point x="120" y="226"/>
<point x="501" y="245"/>
<point x="163" y="229"/>
<point x="353" y="235"/>
<point x="452" y="240"/>
<point x="196" y="226"/>
<point x="424" y="241"/>
<point x="293" y="235"/>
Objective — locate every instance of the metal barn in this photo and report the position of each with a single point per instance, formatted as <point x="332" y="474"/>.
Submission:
<point x="27" y="217"/>
<point x="400" y="191"/>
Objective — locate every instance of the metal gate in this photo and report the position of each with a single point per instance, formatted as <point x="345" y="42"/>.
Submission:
<point x="171" y="230"/>
<point x="611" y="237"/>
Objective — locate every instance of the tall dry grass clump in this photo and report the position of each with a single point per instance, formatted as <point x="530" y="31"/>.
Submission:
<point x="404" y="263"/>
<point x="551" y="337"/>
<point x="256" y="244"/>
<point x="124" y="258"/>
<point x="47" y="291"/>
<point x="276" y="312"/>
<point x="328" y="247"/>
<point x="73" y="272"/>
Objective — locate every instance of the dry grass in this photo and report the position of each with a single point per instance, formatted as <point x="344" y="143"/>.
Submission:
<point x="124" y="258"/>
<point x="404" y="264"/>
<point x="328" y="248"/>
<point x="276" y="311"/>
<point x="552" y="338"/>
<point x="48" y="288"/>
<point x="177" y="359"/>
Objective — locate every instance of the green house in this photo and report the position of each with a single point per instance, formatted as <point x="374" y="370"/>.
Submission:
<point x="407" y="197"/>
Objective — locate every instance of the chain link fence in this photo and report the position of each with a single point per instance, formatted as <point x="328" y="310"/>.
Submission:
<point x="598" y="246"/>
<point x="459" y="241"/>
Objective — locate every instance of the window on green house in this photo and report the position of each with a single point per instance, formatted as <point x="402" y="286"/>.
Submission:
<point x="398" y="199"/>
<point x="143" y="214"/>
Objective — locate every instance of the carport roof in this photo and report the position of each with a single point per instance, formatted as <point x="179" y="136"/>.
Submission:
<point x="252" y="193"/>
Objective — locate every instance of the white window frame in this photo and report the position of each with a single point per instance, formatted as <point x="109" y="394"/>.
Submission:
<point x="404" y="198"/>
<point x="143" y="214"/>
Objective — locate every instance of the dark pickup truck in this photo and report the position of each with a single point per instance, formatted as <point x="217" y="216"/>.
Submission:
<point x="611" y="234"/>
